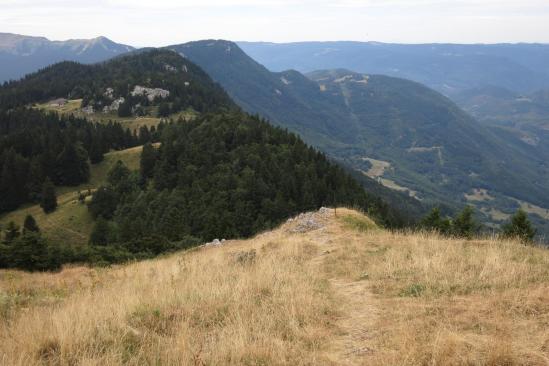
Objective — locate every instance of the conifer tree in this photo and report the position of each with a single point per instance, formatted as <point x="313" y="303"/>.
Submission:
<point x="434" y="221"/>
<point x="35" y="179"/>
<point x="148" y="160"/>
<point x="163" y="109"/>
<point x="520" y="227"/>
<point x="464" y="225"/>
<point x="11" y="232"/>
<point x="8" y="183"/>
<point x="49" y="200"/>
<point x="30" y="252"/>
<point x="96" y="151"/>
<point x="125" y="109"/>
<point x="30" y="225"/>
<point x="100" y="233"/>
<point x="72" y="165"/>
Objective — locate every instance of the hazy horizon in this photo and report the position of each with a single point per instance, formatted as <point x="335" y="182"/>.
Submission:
<point x="163" y="22"/>
<point x="271" y="42"/>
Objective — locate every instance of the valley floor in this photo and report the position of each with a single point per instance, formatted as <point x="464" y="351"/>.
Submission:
<point x="323" y="289"/>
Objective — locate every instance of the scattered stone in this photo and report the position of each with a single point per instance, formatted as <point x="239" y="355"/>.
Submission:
<point x="170" y="68"/>
<point x="114" y="105"/>
<point x="109" y="93"/>
<point x="310" y="221"/>
<point x="151" y="93"/>
<point x="88" y="109"/>
<point x="324" y="211"/>
<point x="216" y="242"/>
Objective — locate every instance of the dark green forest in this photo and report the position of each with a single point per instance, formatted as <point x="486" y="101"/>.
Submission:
<point x="221" y="176"/>
<point x="36" y="146"/>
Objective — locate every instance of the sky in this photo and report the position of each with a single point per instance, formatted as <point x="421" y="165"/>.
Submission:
<point x="163" y="22"/>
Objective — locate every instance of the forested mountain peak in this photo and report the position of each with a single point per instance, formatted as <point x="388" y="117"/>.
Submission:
<point x="128" y="84"/>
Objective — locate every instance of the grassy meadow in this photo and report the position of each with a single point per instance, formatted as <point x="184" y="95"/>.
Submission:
<point x="348" y="293"/>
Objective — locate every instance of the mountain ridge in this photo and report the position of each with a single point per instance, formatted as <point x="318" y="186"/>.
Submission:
<point x="20" y="55"/>
<point x="448" y="68"/>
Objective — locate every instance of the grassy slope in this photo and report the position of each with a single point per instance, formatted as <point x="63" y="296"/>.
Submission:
<point x="71" y="223"/>
<point x="346" y="294"/>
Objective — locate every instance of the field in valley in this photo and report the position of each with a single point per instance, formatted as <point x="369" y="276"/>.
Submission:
<point x="323" y="289"/>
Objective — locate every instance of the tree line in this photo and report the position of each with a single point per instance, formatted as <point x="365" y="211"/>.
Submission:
<point x="464" y="225"/>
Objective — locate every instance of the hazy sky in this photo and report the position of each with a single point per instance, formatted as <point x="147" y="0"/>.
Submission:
<point x="162" y="22"/>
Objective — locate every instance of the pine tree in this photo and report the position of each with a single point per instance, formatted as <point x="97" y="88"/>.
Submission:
<point x="49" y="200"/>
<point x="35" y="180"/>
<point x="30" y="225"/>
<point x="125" y="109"/>
<point x="434" y="221"/>
<point x="30" y="252"/>
<point x="464" y="225"/>
<point x="100" y="233"/>
<point x="520" y="227"/>
<point x="72" y="165"/>
<point x="163" y="109"/>
<point x="8" y="183"/>
<point x="148" y="160"/>
<point x="96" y="151"/>
<point x="11" y="232"/>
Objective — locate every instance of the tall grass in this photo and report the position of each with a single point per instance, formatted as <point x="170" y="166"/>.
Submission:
<point x="349" y="293"/>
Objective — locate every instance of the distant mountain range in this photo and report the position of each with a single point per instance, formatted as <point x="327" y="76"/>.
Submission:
<point x="20" y="55"/>
<point x="448" y="68"/>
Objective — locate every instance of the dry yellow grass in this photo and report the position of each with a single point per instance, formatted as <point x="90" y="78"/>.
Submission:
<point x="346" y="294"/>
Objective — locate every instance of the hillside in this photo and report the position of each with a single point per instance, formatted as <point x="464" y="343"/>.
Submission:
<point x="140" y="83"/>
<point x="401" y="133"/>
<point x="339" y="292"/>
<point x="71" y="223"/>
<point x="221" y="173"/>
<point x="54" y="121"/>
<point x="289" y="100"/>
<point x="21" y="55"/>
<point x="448" y="68"/>
<point x="524" y="116"/>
